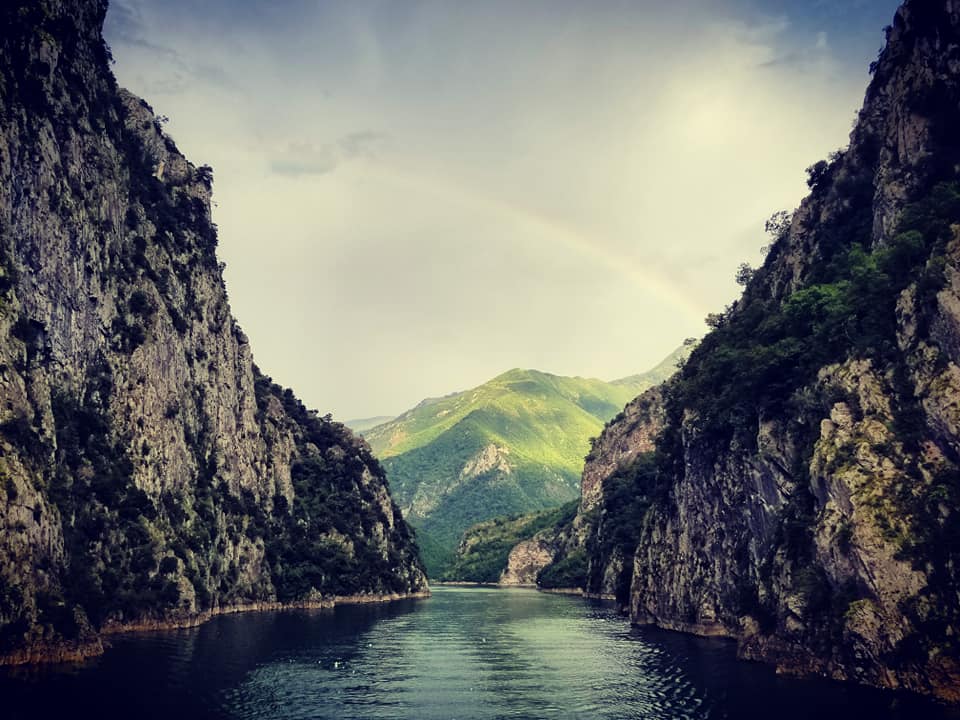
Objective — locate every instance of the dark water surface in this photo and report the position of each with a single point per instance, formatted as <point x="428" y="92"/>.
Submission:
<point x="465" y="653"/>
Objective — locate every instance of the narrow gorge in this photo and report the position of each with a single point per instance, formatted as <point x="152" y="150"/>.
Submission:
<point x="790" y="482"/>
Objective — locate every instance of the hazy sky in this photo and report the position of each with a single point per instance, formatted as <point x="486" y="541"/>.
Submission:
<point x="414" y="196"/>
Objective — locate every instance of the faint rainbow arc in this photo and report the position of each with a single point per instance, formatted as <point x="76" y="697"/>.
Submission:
<point x="571" y="238"/>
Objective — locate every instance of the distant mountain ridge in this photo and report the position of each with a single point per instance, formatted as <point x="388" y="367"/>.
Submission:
<point x="361" y="424"/>
<point x="663" y="371"/>
<point x="514" y="444"/>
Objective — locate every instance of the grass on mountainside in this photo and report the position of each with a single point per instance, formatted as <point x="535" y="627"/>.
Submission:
<point x="513" y="397"/>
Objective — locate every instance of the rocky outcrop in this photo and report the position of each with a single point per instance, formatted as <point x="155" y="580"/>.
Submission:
<point x="811" y="529"/>
<point x="526" y="560"/>
<point x="631" y="433"/>
<point x="491" y="459"/>
<point x="148" y="471"/>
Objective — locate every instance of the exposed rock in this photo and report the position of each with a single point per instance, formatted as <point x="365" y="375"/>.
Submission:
<point x="526" y="560"/>
<point x="148" y="471"/>
<point x="490" y="459"/>
<point x="628" y="435"/>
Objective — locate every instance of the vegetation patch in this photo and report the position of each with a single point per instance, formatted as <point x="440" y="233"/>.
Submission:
<point x="628" y="494"/>
<point x="768" y="349"/>
<point x="485" y="547"/>
<point x="568" y="572"/>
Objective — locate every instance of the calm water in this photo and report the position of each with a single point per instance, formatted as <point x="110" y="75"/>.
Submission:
<point x="465" y="653"/>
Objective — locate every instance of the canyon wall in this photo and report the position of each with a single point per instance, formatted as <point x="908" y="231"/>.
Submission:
<point x="149" y="473"/>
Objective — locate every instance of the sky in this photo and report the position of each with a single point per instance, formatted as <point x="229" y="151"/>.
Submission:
<point x="414" y="196"/>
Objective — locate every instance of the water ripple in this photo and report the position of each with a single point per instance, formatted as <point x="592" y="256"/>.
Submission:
<point x="475" y="654"/>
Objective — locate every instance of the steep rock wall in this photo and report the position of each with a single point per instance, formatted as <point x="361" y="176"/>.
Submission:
<point x="526" y="560"/>
<point x="632" y="432"/>
<point x="796" y="486"/>
<point x="803" y="511"/>
<point x="148" y="471"/>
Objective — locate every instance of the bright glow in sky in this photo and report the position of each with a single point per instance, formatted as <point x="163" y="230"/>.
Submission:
<point x="415" y="196"/>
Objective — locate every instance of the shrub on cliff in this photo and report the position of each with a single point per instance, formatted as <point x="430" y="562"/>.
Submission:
<point x="569" y="572"/>
<point x="769" y="348"/>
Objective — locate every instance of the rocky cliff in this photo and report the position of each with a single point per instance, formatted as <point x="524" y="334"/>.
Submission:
<point x="633" y="432"/>
<point x="527" y="558"/>
<point x="149" y="474"/>
<point x="802" y="492"/>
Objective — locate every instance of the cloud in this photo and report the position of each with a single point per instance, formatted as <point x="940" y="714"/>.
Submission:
<point x="125" y="26"/>
<point x="303" y="158"/>
<point x="214" y="75"/>
<point x="175" y="84"/>
<point x="453" y="189"/>
<point x="364" y="144"/>
<point x="124" y="23"/>
<point x="816" y="55"/>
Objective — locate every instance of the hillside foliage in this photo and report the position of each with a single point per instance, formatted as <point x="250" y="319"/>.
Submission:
<point x="485" y="547"/>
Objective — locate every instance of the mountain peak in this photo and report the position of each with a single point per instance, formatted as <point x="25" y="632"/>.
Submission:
<point x="520" y="374"/>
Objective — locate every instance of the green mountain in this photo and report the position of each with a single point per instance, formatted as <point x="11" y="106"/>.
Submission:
<point x="663" y="371"/>
<point x="512" y="445"/>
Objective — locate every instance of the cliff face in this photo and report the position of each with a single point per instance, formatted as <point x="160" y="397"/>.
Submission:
<point x="633" y="432"/>
<point x="526" y="560"/>
<point x="810" y="519"/>
<point x="802" y="493"/>
<point x="615" y="496"/>
<point x="148" y="471"/>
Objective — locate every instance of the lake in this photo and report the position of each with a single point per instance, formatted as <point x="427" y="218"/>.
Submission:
<point x="465" y="653"/>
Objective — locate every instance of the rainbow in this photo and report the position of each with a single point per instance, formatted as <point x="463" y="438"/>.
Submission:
<point x="572" y="239"/>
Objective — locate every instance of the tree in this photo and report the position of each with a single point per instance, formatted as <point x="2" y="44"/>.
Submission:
<point x="714" y="320"/>
<point x="745" y="274"/>
<point x="816" y="173"/>
<point x="778" y="224"/>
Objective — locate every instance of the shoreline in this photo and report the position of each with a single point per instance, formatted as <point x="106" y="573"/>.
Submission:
<point x="577" y="592"/>
<point x="521" y="586"/>
<point x="74" y="651"/>
<point x="571" y="591"/>
<point x="799" y="663"/>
